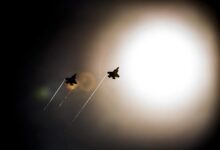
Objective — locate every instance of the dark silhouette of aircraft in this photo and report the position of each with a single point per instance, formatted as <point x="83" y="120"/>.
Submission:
<point x="113" y="74"/>
<point x="71" y="80"/>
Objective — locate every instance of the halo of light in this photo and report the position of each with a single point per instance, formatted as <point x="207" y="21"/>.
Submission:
<point x="87" y="81"/>
<point x="167" y="85"/>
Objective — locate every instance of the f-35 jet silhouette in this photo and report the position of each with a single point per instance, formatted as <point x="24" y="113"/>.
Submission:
<point x="113" y="74"/>
<point x="71" y="80"/>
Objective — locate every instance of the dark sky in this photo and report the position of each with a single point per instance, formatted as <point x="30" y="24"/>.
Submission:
<point x="38" y="25"/>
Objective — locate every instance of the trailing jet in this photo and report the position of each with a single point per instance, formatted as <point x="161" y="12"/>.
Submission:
<point x="71" y="80"/>
<point x="113" y="74"/>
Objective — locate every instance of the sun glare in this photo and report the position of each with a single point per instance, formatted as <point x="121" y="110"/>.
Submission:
<point x="164" y="63"/>
<point x="167" y="58"/>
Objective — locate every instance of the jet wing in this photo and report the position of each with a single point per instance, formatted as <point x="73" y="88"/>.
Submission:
<point x="74" y="76"/>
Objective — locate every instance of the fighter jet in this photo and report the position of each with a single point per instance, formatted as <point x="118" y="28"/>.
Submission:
<point x="71" y="80"/>
<point x="113" y="74"/>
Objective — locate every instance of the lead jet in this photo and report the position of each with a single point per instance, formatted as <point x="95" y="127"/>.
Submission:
<point x="71" y="80"/>
<point x="113" y="74"/>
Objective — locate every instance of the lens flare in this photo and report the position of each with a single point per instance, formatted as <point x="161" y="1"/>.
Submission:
<point x="87" y="81"/>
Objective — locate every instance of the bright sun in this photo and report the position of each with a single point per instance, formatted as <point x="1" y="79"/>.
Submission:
<point x="163" y="63"/>
<point x="168" y="72"/>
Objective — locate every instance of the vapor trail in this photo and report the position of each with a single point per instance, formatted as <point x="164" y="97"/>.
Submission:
<point x="61" y="103"/>
<point x="84" y="105"/>
<point x="68" y="94"/>
<point x="54" y="95"/>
